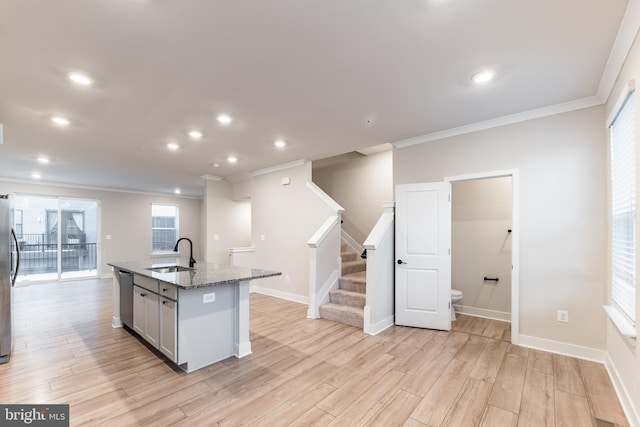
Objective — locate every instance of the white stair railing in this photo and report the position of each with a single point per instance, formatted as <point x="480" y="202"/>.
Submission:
<point x="325" y="264"/>
<point x="379" y="308"/>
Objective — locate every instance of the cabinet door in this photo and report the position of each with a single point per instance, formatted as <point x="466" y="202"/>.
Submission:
<point x="168" y="328"/>
<point x="152" y="318"/>
<point x="139" y="310"/>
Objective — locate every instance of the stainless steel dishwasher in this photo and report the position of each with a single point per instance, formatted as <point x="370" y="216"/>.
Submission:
<point x="125" y="279"/>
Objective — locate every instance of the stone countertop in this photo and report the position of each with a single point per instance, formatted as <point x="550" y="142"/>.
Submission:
<point x="203" y="274"/>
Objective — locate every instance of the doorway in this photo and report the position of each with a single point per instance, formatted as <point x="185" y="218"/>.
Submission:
<point x="58" y="237"/>
<point x="481" y="246"/>
<point x="485" y="245"/>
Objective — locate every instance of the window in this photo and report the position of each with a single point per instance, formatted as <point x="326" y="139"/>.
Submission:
<point x="17" y="223"/>
<point x="623" y="208"/>
<point x="164" y="227"/>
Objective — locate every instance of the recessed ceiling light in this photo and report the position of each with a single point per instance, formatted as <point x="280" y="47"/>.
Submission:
<point x="43" y="160"/>
<point x="80" y="79"/>
<point x="36" y="175"/>
<point x="483" y="76"/>
<point x="216" y="165"/>
<point x="232" y="159"/>
<point x="177" y="191"/>
<point x="61" y="121"/>
<point x="225" y="119"/>
<point x="172" y="146"/>
<point x="280" y="143"/>
<point x="195" y="134"/>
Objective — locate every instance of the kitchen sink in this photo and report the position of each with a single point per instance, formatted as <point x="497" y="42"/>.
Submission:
<point x="169" y="269"/>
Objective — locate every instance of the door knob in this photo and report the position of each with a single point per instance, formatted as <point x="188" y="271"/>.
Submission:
<point x="401" y="262"/>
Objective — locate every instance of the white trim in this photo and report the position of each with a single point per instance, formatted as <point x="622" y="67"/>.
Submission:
<point x="631" y="87"/>
<point x="323" y="231"/>
<point x="630" y="411"/>
<point x="103" y="276"/>
<point x="351" y="242"/>
<point x="620" y="50"/>
<point x="379" y="231"/>
<point x="279" y="294"/>
<point x="573" y="350"/>
<point x="550" y="110"/>
<point x="483" y="312"/>
<point x="87" y="187"/>
<point x="328" y="200"/>
<point x="276" y="168"/>
<point x="212" y="177"/>
<point x="623" y="325"/>
<point x="322" y="296"/>
<point x="515" y="239"/>
<point x="380" y="326"/>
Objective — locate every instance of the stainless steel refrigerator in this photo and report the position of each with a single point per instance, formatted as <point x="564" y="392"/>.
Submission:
<point x="9" y="266"/>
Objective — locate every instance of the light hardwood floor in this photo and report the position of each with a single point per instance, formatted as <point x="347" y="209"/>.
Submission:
<point x="302" y="372"/>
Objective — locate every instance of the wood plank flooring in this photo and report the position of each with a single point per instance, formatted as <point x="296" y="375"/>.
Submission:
<point x="302" y="372"/>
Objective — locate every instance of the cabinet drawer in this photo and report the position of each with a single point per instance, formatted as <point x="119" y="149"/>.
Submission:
<point x="146" y="282"/>
<point x="169" y="291"/>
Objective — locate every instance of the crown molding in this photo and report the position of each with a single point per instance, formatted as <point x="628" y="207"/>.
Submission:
<point x="87" y="187"/>
<point x="551" y="110"/>
<point x="276" y="168"/>
<point x="620" y="50"/>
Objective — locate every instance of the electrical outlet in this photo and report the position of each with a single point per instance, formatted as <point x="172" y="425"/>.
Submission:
<point x="286" y="279"/>
<point x="207" y="298"/>
<point x="563" y="316"/>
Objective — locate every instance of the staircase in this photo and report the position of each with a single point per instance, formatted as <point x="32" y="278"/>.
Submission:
<point x="347" y="302"/>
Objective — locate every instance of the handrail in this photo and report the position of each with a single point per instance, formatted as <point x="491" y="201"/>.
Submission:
<point x="323" y="231"/>
<point x="385" y="221"/>
<point x="325" y="197"/>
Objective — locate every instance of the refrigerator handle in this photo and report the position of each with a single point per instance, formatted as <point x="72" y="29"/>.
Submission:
<point x="15" y="273"/>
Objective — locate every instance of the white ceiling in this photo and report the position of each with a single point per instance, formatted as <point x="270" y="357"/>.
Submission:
<point x="311" y="72"/>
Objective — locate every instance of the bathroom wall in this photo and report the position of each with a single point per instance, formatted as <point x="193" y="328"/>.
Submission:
<point x="481" y="213"/>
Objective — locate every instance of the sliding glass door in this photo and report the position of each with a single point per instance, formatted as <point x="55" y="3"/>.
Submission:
<point x="58" y="237"/>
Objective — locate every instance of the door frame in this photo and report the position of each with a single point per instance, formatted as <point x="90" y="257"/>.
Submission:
<point x="515" y="238"/>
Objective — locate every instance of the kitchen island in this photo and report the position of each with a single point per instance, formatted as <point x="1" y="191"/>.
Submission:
<point x="194" y="316"/>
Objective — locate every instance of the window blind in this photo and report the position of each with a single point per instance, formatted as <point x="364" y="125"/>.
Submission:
<point x="623" y="209"/>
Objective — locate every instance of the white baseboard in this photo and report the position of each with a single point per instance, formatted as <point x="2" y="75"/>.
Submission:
<point x="630" y="411"/>
<point x="279" y="294"/>
<point x="376" y="328"/>
<point x="573" y="350"/>
<point x="116" y="322"/>
<point x="483" y="312"/>
<point x="242" y="350"/>
<point x="108" y="275"/>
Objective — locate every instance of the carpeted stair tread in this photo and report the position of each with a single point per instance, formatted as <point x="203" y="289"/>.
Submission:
<point x="355" y="284"/>
<point x="350" y="267"/>
<point x="344" y="314"/>
<point x="349" y="256"/>
<point x="350" y="298"/>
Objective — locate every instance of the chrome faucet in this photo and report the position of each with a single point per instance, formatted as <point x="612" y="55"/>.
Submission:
<point x="191" y="260"/>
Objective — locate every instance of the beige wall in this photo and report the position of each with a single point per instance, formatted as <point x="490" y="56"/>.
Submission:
<point x="481" y="244"/>
<point x="563" y="216"/>
<point x="127" y="218"/>
<point x="283" y="219"/>
<point x="624" y="357"/>
<point x="227" y="222"/>
<point x="361" y="186"/>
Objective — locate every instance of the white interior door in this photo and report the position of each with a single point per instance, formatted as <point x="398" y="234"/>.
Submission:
<point x="423" y="259"/>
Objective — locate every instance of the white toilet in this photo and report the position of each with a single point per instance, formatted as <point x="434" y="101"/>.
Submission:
<point x="456" y="296"/>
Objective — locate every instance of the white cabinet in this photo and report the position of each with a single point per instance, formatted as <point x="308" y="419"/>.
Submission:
<point x="145" y="314"/>
<point x="168" y="328"/>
